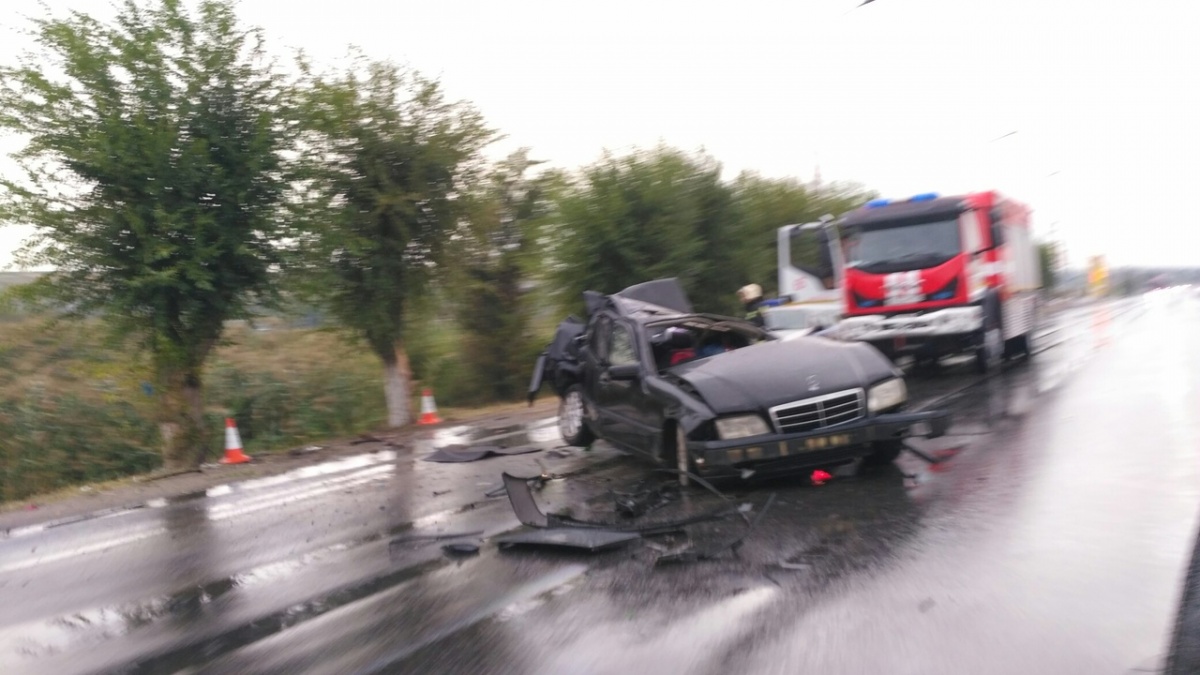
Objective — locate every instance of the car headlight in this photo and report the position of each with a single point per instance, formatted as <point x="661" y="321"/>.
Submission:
<point x="741" y="426"/>
<point x="887" y="394"/>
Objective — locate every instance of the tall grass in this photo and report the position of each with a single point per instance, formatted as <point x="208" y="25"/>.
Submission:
<point x="75" y="409"/>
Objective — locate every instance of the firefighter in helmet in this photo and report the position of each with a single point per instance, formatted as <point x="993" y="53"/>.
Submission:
<point x="751" y="297"/>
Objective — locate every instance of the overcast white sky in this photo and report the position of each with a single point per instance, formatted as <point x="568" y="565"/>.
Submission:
<point x="904" y="96"/>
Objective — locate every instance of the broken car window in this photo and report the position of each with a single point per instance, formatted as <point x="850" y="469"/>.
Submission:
<point x="622" y="352"/>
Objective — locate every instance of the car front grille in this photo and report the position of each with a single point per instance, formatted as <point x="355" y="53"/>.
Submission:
<point x="818" y="412"/>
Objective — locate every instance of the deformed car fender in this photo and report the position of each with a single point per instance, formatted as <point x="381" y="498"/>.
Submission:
<point x="679" y="404"/>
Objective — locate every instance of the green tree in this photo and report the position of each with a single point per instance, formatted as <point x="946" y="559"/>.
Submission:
<point x="498" y="260"/>
<point x="152" y="175"/>
<point x="648" y="215"/>
<point x="389" y="161"/>
<point x="766" y="204"/>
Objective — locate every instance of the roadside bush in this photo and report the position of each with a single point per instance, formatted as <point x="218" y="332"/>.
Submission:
<point x="56" y="441"/>
<point x="75" y="409"/>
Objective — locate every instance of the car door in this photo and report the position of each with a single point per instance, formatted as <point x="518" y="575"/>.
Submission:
<point x="646" y="413"/>
<point x="595" y="362"/>
<point x="620" y="396"/>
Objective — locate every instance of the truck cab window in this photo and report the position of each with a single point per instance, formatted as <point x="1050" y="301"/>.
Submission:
<point x="810" y="254"/>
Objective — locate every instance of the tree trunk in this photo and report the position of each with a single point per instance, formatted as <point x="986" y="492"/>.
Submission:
<point x="397" y="388"/>
<point x="182" y="422"/>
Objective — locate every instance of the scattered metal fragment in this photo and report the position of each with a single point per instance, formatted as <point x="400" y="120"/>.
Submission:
<point x="461" y="549"/>
<point x="437" y="536"/>
<point x="927" y="458"/>
<point x="521" y="498"/>
<point x="462" y="453"/>
<point x="591" y="540"/>
<point x="520" y="495"/>
<point x="305" y="450"/>
<point x="439" y="493"/>
<point x="707" y="486"/>
<point x="710" y="552"/>
<point x="557" y="454"/>
<point x="640" y="502"/>
<point x="366" y="438"/>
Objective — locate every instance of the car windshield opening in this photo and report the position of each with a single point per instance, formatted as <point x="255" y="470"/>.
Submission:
<point x="695" y="339"/>
<point x="901" y="247"/>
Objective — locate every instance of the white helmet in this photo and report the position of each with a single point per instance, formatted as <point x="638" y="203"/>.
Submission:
<point x="749" y="293"/>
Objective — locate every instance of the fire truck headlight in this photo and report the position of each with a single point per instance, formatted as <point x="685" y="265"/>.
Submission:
<point x="887" y="394"/>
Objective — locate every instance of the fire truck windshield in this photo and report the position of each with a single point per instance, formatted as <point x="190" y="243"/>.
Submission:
<point x="881" y="248"/>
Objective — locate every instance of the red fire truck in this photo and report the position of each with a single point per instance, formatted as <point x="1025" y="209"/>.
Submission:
<point x="931" y="276"/>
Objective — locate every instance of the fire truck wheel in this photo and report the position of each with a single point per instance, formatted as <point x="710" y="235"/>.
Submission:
<point x="1020" y="346"/>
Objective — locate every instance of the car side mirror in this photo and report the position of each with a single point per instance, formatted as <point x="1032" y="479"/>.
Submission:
<point x="629" y="371"/>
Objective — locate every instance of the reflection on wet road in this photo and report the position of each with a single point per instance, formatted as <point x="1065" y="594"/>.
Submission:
<point x="1053" y="539"/>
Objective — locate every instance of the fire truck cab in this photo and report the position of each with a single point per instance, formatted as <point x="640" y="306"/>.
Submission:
<point x="931" y="276"/>
<point x="810" y="273"/>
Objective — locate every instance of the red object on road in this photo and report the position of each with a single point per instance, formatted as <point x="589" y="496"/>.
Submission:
<point x="820" y="476"/>
<point x="233" y="444"/>
<point x="428" y="409"/>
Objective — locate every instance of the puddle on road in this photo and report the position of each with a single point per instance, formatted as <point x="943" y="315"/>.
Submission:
<point x="507" y="435"/>
<point x="262" y="627"/>
<point x="317" y="470"/>
<point x="89" y="627"/>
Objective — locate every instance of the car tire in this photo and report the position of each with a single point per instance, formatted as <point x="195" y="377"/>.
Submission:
<point x="883" y="453"/>
<point x="572" y="418"/>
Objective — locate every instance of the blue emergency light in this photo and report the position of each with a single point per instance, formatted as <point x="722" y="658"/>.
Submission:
<point x="876" y="203"/>
<point x="926" y="197"/>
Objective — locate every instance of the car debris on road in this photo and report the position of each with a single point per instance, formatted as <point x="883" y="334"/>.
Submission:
<point x="556" y="530"/>
<point x="591" y="540"/>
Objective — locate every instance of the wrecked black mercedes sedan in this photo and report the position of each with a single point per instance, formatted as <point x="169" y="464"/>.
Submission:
<point x="715" y="395"/>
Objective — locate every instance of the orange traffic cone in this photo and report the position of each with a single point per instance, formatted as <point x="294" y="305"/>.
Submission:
<point x="233" y="444"/>
<point x="428" y="408"/>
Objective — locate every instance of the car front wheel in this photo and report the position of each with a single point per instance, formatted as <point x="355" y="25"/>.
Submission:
<point x="572" y="422"/>
<point x="883" y="453"/>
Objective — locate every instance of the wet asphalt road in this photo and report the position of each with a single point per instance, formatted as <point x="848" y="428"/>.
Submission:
<point x="1054" y="539"/>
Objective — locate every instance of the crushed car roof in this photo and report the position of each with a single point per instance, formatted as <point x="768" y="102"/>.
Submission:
<point x="666" y="293"/>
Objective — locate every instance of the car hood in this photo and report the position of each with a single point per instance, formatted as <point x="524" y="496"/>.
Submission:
<point x="781" y="371"/>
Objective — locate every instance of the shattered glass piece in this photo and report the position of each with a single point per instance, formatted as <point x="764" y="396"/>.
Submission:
<point x="587" y="539"/>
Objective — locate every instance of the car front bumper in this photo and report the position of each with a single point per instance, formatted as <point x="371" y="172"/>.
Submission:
<point x="942" y="322"/>
<point x="840" y="443"/>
